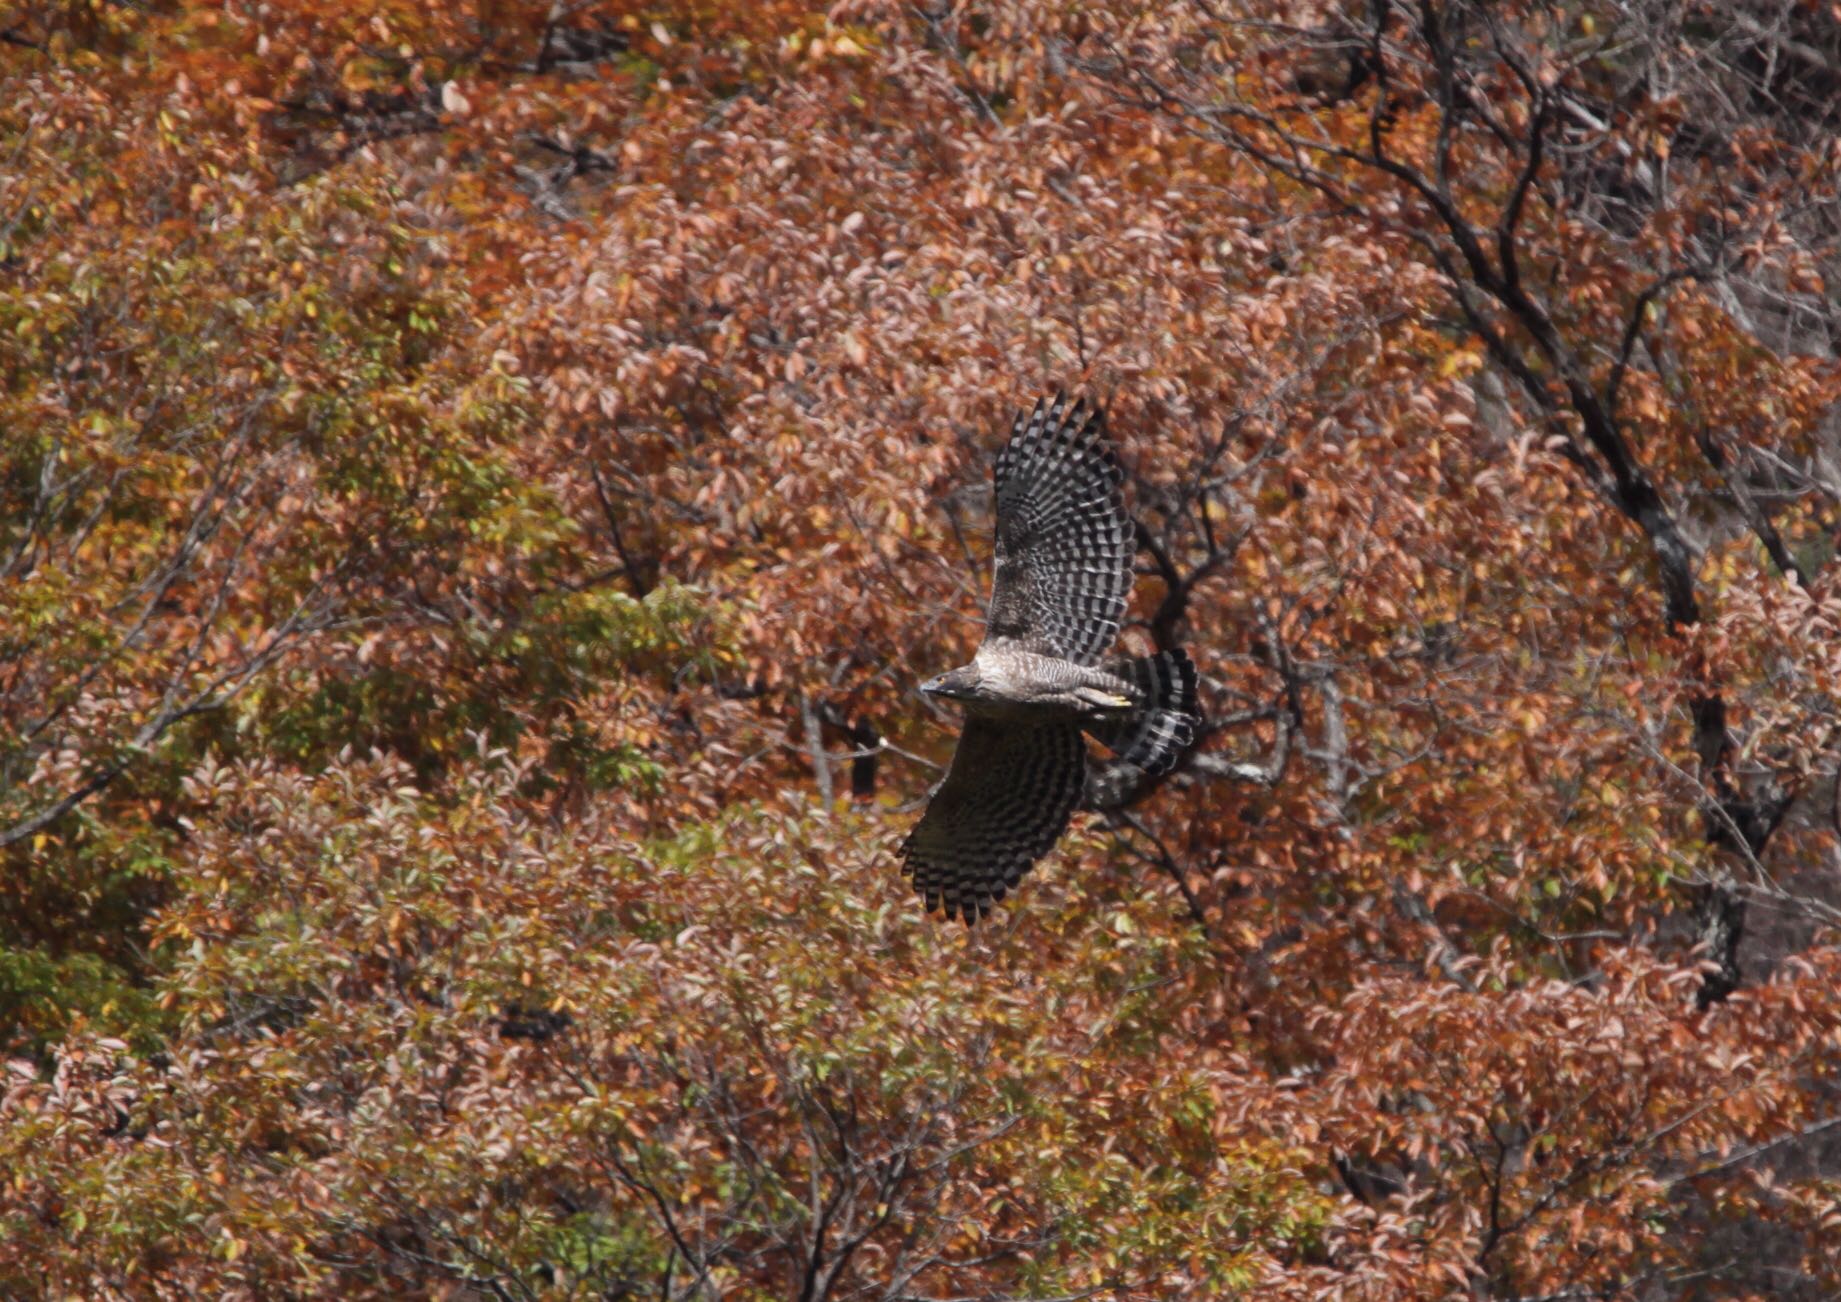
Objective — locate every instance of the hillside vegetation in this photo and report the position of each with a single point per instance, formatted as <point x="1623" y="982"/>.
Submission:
<point x="480" y="483"/>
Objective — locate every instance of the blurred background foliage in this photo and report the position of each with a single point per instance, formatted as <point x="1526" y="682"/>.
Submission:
<point x="478" y="483"/>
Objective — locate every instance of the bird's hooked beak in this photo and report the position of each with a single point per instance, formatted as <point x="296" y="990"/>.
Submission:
<point x="943" y="687"/>
<point x="954" y="685"/>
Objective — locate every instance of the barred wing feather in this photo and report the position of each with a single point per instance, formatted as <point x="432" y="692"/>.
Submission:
<point x="1064" y="540"/>
<point x="1005" y="802"/>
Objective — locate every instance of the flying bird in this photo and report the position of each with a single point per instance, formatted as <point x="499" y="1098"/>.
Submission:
<point x="1064" y="552"/>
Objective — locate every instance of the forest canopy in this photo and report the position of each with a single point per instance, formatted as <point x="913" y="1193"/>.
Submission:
<point x="481" y="482"/>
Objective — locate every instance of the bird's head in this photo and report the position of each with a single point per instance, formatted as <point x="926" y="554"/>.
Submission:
<point x="959" y="684"/>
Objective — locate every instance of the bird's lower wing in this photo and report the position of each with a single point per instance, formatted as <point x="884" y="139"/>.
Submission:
<point x="1004" y="804"/>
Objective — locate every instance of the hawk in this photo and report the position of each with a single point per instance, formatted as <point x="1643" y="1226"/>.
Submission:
<point x="1064" y="552"/>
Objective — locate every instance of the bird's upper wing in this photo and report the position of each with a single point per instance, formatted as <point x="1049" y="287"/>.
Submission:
<point x="1064" y="541"/>
<point x="1004" y="804"/>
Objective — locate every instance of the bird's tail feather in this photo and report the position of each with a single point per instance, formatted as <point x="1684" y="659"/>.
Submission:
<point x="1155" y="735"/>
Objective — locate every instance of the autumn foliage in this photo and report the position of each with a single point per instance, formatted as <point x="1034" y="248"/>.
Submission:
<point x="479" y="484"/>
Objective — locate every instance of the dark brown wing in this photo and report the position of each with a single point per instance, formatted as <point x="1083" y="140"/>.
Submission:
<point x="1004" y="804"/>
<point x="1064" y="541"/>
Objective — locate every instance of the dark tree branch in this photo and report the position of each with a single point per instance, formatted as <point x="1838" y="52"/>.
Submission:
<point x="1483" y="274"/>
<point x="1760" y="523"/>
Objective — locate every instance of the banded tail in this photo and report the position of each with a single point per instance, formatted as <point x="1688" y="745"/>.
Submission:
<point x="1155" y="735"/>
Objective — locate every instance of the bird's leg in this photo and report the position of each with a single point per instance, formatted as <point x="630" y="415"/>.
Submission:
<point x="1098" y="698"/>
